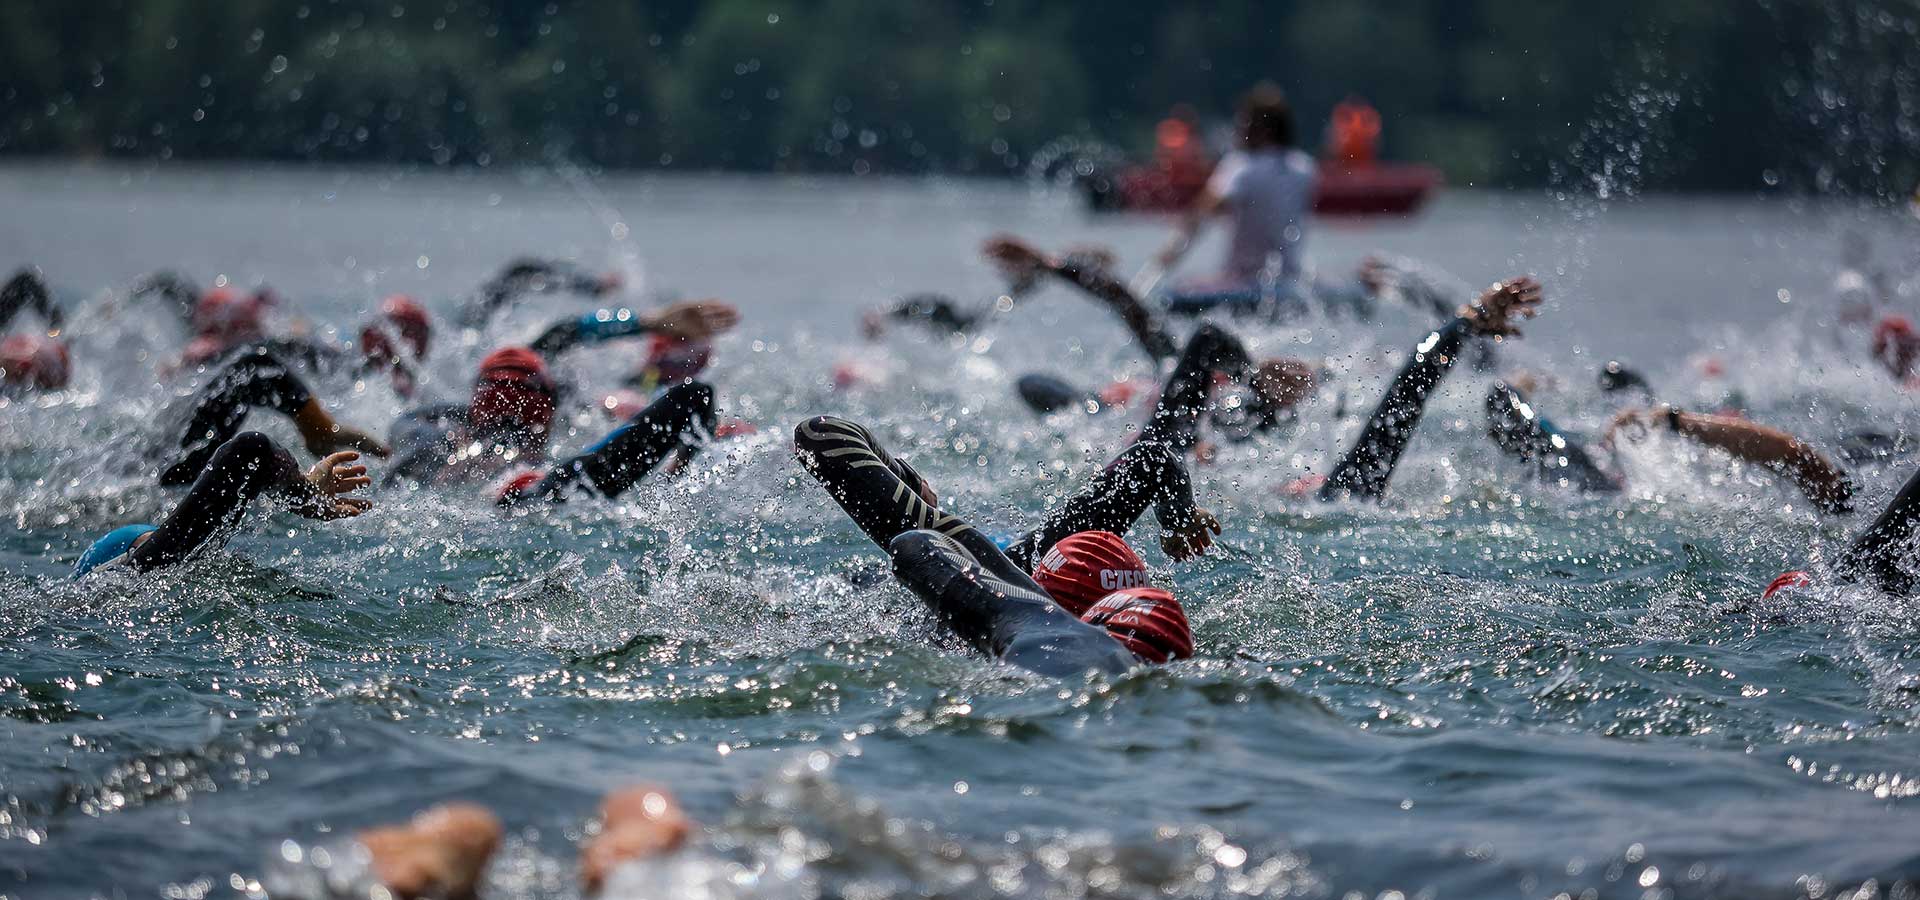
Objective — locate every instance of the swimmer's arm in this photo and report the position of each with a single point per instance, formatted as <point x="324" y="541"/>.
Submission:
<point x="26" y="290"/>
<point x="1823" y="482"/>
<point x="1204" y="207"/>
<point x="1366" y="468"/>
<point x="1878" y="552"/>
<point x="1022" y="260"/>
<point x="691" y="320"/>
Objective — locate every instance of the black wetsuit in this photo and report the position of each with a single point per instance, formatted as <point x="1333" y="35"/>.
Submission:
<point x="522" y="277"/>
<point x="680" y="420"/>
<point x="1366" y="468"/>
<point x="25" y="290"/>
<point x="1878" y="553"/>
<point x="1553" y="456"/>
<point x="969" y="583"/>
<point x="249" y="378"/>
<point x="235" y="473"/>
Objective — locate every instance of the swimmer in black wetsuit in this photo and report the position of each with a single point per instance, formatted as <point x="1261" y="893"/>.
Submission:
<point x="506" y="426"/>
<point x="255" y="378"/>
<point x="236" y="473"/>
<point x="987" y="598"/>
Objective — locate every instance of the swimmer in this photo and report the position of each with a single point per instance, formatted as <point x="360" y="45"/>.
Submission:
<point x="989" y="600"/>
<point x="1518" y="428"/>
<point x="1879" y="555"/>
<point x="504" y="429"/>
<point x="396" y="341"/>
<point x="443" y="852"/>
<point x="36" y="360"/>
<point x="255" y="378"/>
<point x="236" y="473"/>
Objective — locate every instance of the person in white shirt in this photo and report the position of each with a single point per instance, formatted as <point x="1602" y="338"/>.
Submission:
<point x="1265" y="191"/>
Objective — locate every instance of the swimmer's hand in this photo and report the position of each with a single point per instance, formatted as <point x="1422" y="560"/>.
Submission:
<point x="1193" y="540"/>
<point x="693" y="320"/>
<point x="635" y="824"/>
<point x="1492" y="315"/>
<point x="1635" y="422"/>
<point x="332" y="478"/>
<point x="441" y="853"/>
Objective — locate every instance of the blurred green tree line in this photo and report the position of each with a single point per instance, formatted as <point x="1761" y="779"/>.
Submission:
<point x="1715" y="94"/>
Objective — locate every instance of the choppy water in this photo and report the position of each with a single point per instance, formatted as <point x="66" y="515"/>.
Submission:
<point x="1480" y="688"/>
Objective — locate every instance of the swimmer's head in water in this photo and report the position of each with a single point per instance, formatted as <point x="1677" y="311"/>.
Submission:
<point x="34" y="361"/>
<point x="1896" y="345"/>
<point x="111" y="546"/>
<point x="400" y="317"/>
<point x="228" y="316"/>
<point x="672" y="360"/>
<point x="1082" y="568"/>
<point x="1615" y="378"/>
<point x="1145" y="620"/>
<point x="1787" y="583"/>
<point x="513" y="398"/>
<point x="1283" y="382"/>
<point x="517" y="486"/>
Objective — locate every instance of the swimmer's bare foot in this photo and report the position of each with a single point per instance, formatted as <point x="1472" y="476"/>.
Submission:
<point x="636" y="823"/>
<point x="441" y="853"/>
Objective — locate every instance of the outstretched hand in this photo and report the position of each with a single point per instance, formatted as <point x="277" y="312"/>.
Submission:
<point x="694" y="320"/>
<point x="1493" y="314"/>
<point x="332" y="479"/>
<point x="1193" y="540"/>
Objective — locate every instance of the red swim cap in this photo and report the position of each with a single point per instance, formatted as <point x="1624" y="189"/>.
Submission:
<point x="513" y="394"/>
<point x="228" y="317"/>
<point x="400" y="318"/>
<point x="1084" y="567"/>
<point x="1147" y="621"/>
<point x="1787" y="581"/>
<point x="1896" y="345"/>
<point x="672" y="359"/>
<point x="411" y="319"/>
<point x="516" y="486"/>
<point x="34" y="360"/>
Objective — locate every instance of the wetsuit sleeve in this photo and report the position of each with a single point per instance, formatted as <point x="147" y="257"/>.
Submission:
<point x="1368" y="466"/>
<point x="171" y="287"/>
<point x="1011" y="620"/>
<point x="527" y="276"/>
<point x="1176" y="419"/>
<point x="237" y="472"/>
<point x="254" y="378"/>
<point x="937" y="312"/>
<point x="1145" y="326"/>
<point x="25" y="290"/>
<point x="679" y="420"/>
<point x="592" y="328"/>
<point x="1522" y="433"/>
<point x="973" y="587"/>
<point x="1878" y="552"/>
<point x="1149" y="473"/>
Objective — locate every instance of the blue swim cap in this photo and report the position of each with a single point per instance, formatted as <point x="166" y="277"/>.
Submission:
<point x="1004" y="539"/>
<point x="112" y="546"/>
